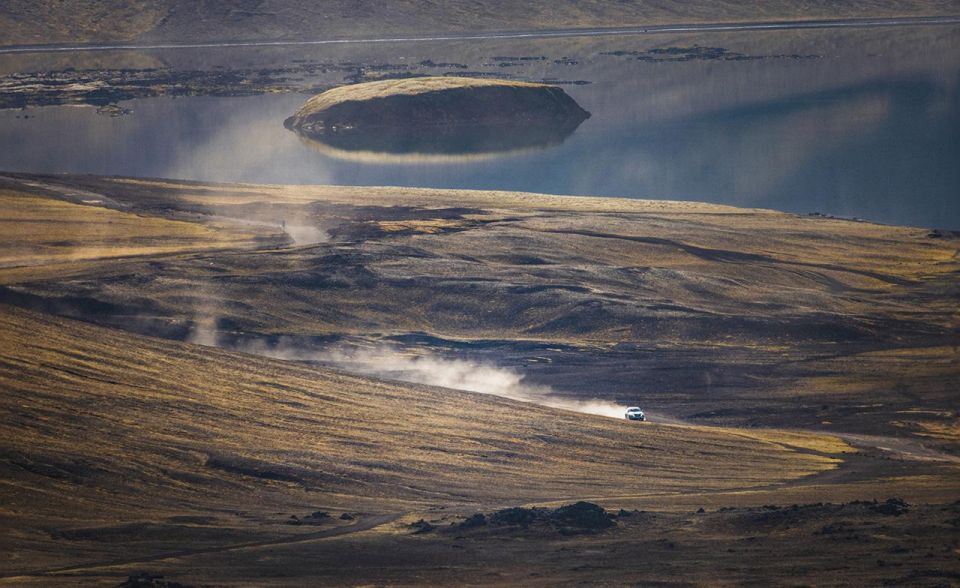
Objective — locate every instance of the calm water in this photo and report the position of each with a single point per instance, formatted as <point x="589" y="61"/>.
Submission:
<point x="861" y="124"/>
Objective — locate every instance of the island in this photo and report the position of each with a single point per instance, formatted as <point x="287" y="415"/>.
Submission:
<point x="437" y="115"/>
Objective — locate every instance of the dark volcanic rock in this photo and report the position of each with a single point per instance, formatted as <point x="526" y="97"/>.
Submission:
<point x="516" y="516"/>
<point x="477" y="520"/>
<point x="145" y="580"/>
<point x="582" y="515"/>
<point x="572" y="519"/>
<point x="892" y="507"/>
<point x="421" y="526"/>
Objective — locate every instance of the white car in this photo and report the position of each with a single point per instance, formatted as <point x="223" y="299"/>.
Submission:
<point x="635" y="414"/>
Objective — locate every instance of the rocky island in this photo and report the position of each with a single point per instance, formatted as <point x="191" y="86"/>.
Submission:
<point x="434" y="115"/>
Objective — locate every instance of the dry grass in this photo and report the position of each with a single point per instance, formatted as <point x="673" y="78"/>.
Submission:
<point x="824" y="444"/>
<point x="945" y="431"/>
<point x="110" y="439"/>
<point x="44" y="236"/>
<point x="799" y="322"/>
<point x="408" y="87"/>
<point x="237" y="194"/>
<point x="726" y="261"/>
<point x="102" y="429"/>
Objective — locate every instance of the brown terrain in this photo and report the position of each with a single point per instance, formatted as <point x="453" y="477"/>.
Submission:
<point x="171" y="404"/>
<point x="41" y="22"/>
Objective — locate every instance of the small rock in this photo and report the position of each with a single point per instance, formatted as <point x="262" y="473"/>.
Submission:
<point x="477" y="520"/>
<point x="421" y="526"/>
<point x="145" y="580"/>
<point x="892" y="507"/>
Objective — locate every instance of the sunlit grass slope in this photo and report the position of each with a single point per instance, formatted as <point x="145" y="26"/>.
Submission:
<point x="121" y="435"/>
<point x="47" y="236"/>
<point x="714" y="314"/>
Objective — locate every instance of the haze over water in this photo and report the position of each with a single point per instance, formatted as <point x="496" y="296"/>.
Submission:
<point x="862" y="123"/>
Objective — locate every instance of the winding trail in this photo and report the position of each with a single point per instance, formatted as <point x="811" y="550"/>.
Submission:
<point x="364" y="524"/>
<point x="523" y="34"/>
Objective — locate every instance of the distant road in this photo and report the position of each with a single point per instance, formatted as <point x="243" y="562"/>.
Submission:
<point x="530" y="34"/>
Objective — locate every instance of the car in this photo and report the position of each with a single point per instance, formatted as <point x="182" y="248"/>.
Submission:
<point x="635" y="414"/>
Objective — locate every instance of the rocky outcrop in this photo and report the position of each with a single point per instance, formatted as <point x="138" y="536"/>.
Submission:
<point x="438" y="115"/>
<point x="434" y="101"/>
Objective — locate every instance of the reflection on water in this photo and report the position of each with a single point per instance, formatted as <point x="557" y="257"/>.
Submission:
<point x="870" y="128"/>
<point x="440" y="144"/>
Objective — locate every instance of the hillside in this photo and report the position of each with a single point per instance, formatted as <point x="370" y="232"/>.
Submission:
<point x="229" y="443"/>
<point x="124" y="453"/>
<point x="137" y="441"/>
<point x="711" y="314"/>
<point x="76" y="21"/>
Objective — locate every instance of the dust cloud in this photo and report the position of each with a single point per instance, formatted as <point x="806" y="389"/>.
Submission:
<point x="459" y="374"/>
<point x="418" y="367"/>
<point x="305" y="234"/>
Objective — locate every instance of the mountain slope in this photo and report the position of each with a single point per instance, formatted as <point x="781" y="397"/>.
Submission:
<point x="117" y="445"/>
<point x="77" y="21"/>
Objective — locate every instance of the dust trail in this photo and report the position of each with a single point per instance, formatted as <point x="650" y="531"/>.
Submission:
<point x="385" y="361"/>
<point x="305" y="234"/>
<point x="459" y="374"/>
<point x="204" y="330"/>
<point x="299" y="230"/>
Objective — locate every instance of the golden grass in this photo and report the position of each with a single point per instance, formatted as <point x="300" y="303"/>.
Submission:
<point x="820" y="443"/>
<point x="105" y="429"/>
<point x="101" y="428"/>
<point x="780" y="265"/>
<point x="45" y="236"/>
<point x="902" y="252"/>
<point x="403" y="87"/>
<point x="221" y="194"/>
<point x="152" y="412"/>
<point x="932" y="488"/>
<point x="945" y="431"/>
<point x="429" y="226"/>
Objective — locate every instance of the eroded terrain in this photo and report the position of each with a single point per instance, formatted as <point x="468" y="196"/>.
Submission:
<point x="169" y="404"/>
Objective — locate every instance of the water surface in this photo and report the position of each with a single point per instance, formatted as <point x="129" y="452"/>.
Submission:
<point x="850" y="123"/>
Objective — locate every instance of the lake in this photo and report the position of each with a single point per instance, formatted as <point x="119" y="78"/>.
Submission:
<point x="853" y="123"/>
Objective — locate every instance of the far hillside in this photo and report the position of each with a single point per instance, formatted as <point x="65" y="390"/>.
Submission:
<point x="37" y="22"/>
